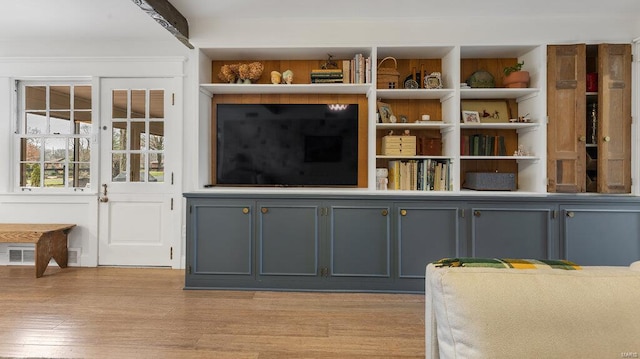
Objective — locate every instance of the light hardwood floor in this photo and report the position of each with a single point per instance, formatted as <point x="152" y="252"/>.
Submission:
<point x="145" y="313"/>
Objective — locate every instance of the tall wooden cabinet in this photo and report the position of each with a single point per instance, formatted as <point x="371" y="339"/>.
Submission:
<point x="600" y="160"/>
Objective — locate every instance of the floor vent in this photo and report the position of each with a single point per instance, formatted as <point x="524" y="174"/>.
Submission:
<point x="19" y="255"/>
<point x="26" y="256"/>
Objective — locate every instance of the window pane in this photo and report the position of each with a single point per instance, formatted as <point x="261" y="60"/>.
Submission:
<point x="82" y="97"/>
<point x="119" y="167"/>
<point x="156" y="104"/>
<point x="156" y="135"/>
<point x="79" y="150"/>
<point x="82" y="122"/>
<point x="138" y="104"/>
<point x="138" y="136"/>
<point x="30" y="149"/>
<point x="60" y="97"/>
<point x="55" y="149"/>
<point x="119" y="109"/>
<point x="156" y="167"/>
<point x="29" y="175"/>
<point x="60" y="123"/>
<point x="35" y="123"/>
<point x="53" y="174"/>
<point x="119" y="136"/>
<point x="78" y="174"/>
<point x="35" y="98"/>
<point x="137" y="170"/>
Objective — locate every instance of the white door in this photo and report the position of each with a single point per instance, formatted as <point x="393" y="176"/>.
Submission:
<point x="138" y="130"/>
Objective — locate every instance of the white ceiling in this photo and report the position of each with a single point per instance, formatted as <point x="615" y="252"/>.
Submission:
<point x="122" y="19"/>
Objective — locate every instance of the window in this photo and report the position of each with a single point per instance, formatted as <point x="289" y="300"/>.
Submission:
<point x="137" y="138"/>
<point x="54" y="135"/>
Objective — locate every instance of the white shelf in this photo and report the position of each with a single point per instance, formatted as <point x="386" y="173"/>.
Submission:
<point x="413" y="125"/>
<point x="527" y="158"/>
<point x="382" y="157"/>
<point x="499" y="126"/>
<point x="419" y="94"/>
<point x="286" y="89"/>
<point x="497" y="93"/>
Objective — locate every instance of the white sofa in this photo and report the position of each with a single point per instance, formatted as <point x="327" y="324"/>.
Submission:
<point x="498" y="313"/>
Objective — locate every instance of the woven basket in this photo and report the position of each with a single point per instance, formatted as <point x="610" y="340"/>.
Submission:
<point x="387" y="78"/>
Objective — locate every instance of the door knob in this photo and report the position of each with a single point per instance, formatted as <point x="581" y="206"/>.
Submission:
<point x="103" y="199"/>
<point x="570" y="214"/>
<point x="403" y="212"/>
<point x="606" y="139"/>
<point x="582" y="139"/>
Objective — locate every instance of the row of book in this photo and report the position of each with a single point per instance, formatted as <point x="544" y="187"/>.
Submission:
<point x="354" y="71"/>
<point x="420" y="175"/>
<point x="482" y="145"/>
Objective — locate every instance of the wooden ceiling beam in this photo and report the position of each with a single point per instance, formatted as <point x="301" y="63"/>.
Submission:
<point x="168" y="17"/>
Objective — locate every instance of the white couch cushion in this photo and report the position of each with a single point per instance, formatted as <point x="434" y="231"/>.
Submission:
<point x="549" y="313"/>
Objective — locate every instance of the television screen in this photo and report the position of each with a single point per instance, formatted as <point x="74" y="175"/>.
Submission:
<point x="287" y="144"/>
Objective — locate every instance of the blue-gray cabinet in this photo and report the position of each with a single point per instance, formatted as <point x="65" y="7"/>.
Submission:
<point x="220" y="241"/>
<point x="425" y="233"/>
<point x="602" y="235"/>
<point x="512" y="230"/>
<point x="363" y="242"/>
<point x="288" y="230"/>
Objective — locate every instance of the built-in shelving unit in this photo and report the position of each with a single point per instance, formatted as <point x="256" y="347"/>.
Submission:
<point x="445" y="128"/>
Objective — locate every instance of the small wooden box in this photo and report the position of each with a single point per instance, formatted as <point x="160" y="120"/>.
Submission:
<point x="429" y="146"/>
<point x="399" y="145"/>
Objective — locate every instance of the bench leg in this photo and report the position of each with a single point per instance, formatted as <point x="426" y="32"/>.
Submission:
<point x="51" y="245"/>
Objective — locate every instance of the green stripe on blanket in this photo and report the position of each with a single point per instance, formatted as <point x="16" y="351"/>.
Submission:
<point x="507" y="263"/>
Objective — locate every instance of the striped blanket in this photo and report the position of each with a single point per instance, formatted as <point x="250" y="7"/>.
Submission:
<point x="507" y="263"/>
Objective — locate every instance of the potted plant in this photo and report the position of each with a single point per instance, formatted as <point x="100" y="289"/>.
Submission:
<point x="515" y="77"/>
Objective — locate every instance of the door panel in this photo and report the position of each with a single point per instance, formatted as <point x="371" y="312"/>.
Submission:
<point x="614" y="122"/>
<point x="566" y="134"/>
<point x="360" y="241"/>
<point x="137" y="224"/>
<point x="288" y="231"/>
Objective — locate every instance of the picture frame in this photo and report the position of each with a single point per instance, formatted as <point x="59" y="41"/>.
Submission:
<point x="490" y="111"/>
<point x="433" y="81"/>
<point x="470" y="116"/>
<point x="384" y="109"/>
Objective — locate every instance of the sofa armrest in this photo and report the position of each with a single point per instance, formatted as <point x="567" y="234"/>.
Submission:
<point x="512" y="313"/>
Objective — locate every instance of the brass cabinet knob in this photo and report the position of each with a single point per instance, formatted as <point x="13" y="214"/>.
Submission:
<point x="582" y="139"/>
<point x="403" y="212"/>
<point x="570" y="214"/>
<point x="606" y="139"/>
<point x="385" y="212"/>
<point x="245" y="210"/>
<point x="264" y="210"/>
<point x="476" y="213"/>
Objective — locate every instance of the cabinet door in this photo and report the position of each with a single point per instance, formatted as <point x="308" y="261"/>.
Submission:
<point x="360" y="240"/>
<point x="513" y="232"/>
<point x="288" y="235"/>
<point x="614" y="118"/>
<point x="425" y="234"/>
<point x="601" y="236"/>
<point x="221" y="238"/>
<point x="566" y="105"/>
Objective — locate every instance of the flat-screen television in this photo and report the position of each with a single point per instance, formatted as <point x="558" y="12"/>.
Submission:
<point x="287" y="144"/>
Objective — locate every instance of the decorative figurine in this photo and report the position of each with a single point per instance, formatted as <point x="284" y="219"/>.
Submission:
<point x="287" y="77"/>
<point x="276" y="77"/>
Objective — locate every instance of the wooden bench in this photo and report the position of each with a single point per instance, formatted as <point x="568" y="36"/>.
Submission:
<point x="50" y="241"/>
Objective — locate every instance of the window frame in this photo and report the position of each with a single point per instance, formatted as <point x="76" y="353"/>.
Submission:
<point x="19" y="134"/>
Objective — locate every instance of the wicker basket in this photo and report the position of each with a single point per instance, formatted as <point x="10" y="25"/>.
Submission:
<point x="387" y="78"/>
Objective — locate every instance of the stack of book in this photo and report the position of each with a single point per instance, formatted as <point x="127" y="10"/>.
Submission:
<point x="420" y="175"/>
<point x="326" y="76"/>
<point x="482" y="145"/>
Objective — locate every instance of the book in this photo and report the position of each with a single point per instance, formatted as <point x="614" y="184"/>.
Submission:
<point x="346" y="73"/>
